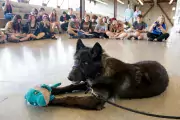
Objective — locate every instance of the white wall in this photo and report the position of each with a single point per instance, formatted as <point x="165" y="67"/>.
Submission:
<point x="108" y="10"/>
<point x="105" y="10"/>
<point x="177" y="15"/>
<point x="156" y="11"/>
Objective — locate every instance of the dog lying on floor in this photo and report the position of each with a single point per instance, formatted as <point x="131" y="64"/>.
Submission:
<point x="111" y="78"/>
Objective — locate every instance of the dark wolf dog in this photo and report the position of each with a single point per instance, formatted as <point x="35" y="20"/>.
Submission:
<point x="111" y="77"/>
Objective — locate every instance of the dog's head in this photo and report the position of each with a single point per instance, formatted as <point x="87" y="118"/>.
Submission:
<point x="87" y="62"/>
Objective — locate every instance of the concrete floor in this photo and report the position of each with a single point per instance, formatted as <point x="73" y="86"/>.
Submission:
<point x="24" y="65"/>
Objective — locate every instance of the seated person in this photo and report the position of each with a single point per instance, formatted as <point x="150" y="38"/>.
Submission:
<point x="116" y="30"/>
<point x="106" y="22"/>
<point x="7" y="8"/>
<point x="93" y="22"/>
<point x="85" y="28"/>
<point x="110" y="22"/>
<point x="54" y="21"/>
<point x="158" y="30"/>
<point x="64" y="20"/>
<point x="3" y="37"/>
<point x="31" y="27"/>
<point x="127" y="26"/>
<point x="44" y="27"/>
<point x="31" y="24"/>
<point x="100" y="29"/>
<point x="14" y="30"/>
<point x="70" y="11"/>
<point x="73" y="27"/>
<point x="104" y="19"/>
<point x="40" y="14"/>
<point x="138" y="28"/>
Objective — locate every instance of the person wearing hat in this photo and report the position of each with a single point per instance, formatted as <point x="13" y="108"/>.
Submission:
<point x="45" y="27"/>
<point x="73" y="27"/>
<point x="43" y="30"/>
<point x="64" y="20"/>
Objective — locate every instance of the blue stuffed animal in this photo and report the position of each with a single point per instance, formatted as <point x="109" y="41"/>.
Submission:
<point x="40" y="95"/>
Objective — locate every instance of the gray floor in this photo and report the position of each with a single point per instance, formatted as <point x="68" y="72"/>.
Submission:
<point x="27" y="64"/>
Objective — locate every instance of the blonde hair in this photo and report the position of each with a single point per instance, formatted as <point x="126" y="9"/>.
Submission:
<point x="100" y="21"/>
<point x="163" y="22"/>
<point x="160" y="17"/>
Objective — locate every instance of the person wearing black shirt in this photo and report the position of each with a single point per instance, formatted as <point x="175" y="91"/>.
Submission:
<point x="64" y="20"/>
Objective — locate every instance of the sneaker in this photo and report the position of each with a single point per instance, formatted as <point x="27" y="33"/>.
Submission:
<point x="150" y="39"/>
<point x="101" y="37"/>
<point x="54" y="37"/>
<point x="155" y="40"/>
<point x="130" y="37"/>
<point x="135" y="38"/>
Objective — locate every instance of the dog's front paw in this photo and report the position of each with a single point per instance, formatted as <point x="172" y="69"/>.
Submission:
<point x="100" y="107"/>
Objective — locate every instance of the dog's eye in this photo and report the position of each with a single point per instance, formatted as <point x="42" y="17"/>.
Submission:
<point x="85" y="63"/>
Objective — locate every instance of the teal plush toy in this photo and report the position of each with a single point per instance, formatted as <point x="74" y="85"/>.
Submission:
<point x="40" y="95"/>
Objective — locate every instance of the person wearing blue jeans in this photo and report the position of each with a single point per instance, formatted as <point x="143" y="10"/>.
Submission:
<point x="7" y="10"/>
<point x="158" y="30"/>
<point x="73" y="28"/>
<point x="8" y="16"/>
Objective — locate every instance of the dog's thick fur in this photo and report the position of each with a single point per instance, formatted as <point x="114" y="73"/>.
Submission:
<point x="111" y="77"/>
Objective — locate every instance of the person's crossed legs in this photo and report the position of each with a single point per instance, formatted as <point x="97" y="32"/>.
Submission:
<point x="158" y="38"/>
<point x="136" y="35"/>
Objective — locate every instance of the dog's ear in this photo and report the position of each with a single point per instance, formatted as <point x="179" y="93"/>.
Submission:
<point x="79" y="45"/>
<point x="96" y="50"/>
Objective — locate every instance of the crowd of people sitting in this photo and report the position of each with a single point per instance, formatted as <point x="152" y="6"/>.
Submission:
<point x="40" y="25"/>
